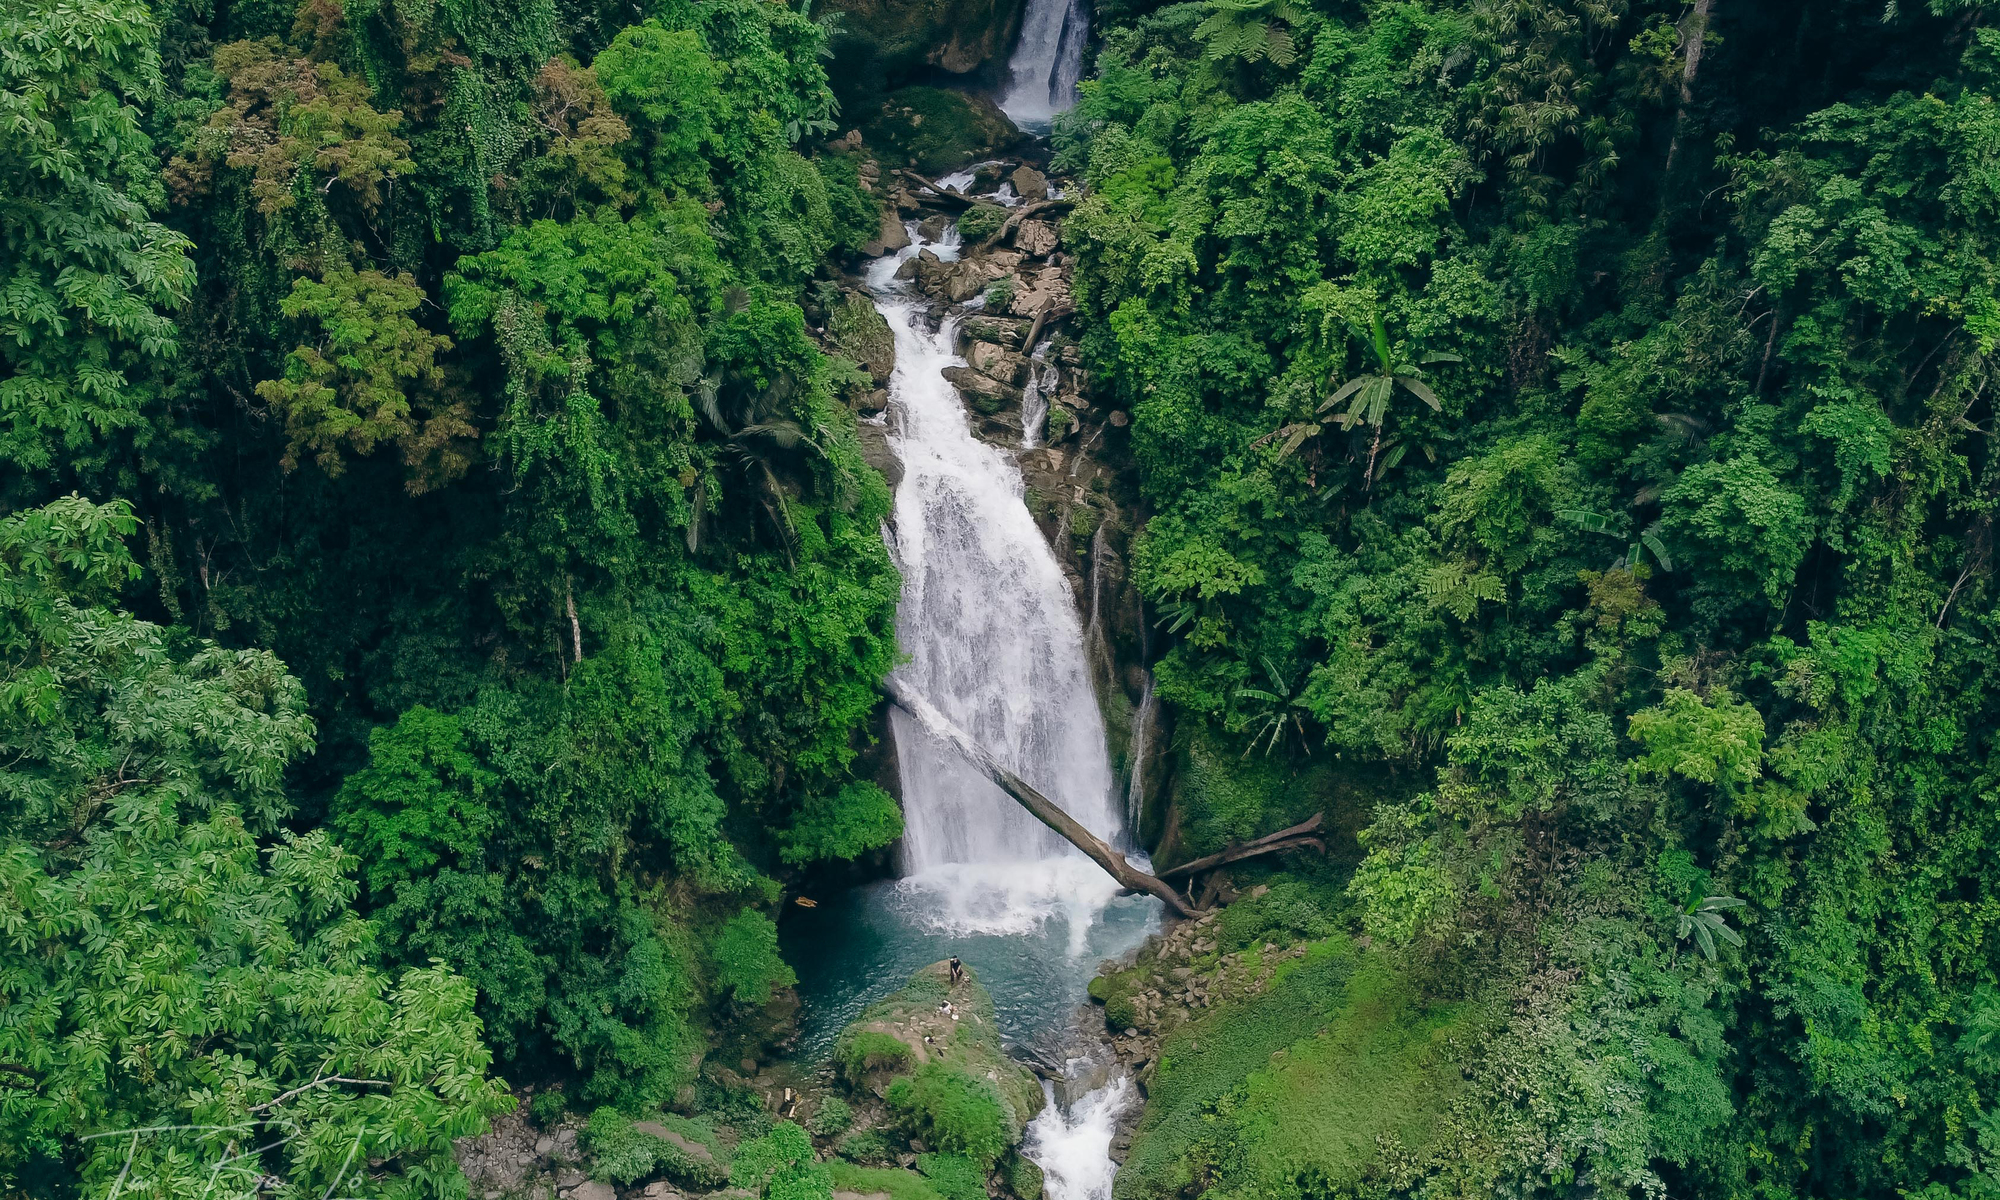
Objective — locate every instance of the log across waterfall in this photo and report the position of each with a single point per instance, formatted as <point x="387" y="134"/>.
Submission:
<point x="990" y="626"/>
<point x="1045" y="810"/>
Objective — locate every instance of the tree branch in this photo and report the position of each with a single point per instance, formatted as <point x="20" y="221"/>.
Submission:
<point x="1272" y="843"/>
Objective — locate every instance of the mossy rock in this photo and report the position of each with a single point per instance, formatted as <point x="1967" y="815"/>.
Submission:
<point x="938" y="130"/>
<point x="862" y="334"/>
<point x="905" y="35"/>
<point x="981" y="221"/>
<point x="1024" y="1178"/>
<point x="968" y="1047"/>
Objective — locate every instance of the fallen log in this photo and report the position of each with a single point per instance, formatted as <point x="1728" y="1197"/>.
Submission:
<point x="952" y="199"/>
<point x="1021" y="213"/>
<point x="1045" y="810"/>
<point x="1271" y="843"/>
<point x="1043" y="316"/>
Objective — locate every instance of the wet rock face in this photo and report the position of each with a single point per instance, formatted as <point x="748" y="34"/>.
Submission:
<point x="963" y="37"/>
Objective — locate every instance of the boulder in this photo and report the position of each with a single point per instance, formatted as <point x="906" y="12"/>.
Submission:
<point x="877" y="452"/>
<point x="893" y="236"/>
<point x="859" y="332"/>
<point x="591" y="1189"/>
<point x="981" y="393"/>
<point x="1002" y="331"/>
<point x="995" y="363"/>
<point x="1030" y="183"/>
<point x="937" y="130"/>
<point x="1036" y="239"/>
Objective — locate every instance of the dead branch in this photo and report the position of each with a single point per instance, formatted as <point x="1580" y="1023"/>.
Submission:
<point x="1285" y="839"/>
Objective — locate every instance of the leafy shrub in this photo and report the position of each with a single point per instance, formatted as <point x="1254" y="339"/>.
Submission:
<point x="981" y="221"/>
<point x="954" y="1177"/>
<point x="624" y="1152"/>
<point x="865" y="1145"/>
<point x="1294" y="907"/>
<point x="859" y="817"/>
<point x="1000" y="294"/>
<point x="953" y="1111"/>
<point x="1059" y="421"/>
<point x="832" y="1118"/>
<point x="547" y="1107"/>
<point x="780" y="1166"/>
<point x="869" y="1051"/>
<point x="746" y="958"/>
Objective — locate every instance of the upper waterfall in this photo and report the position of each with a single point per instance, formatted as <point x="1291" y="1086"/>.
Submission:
<point x="1047" y="63"/>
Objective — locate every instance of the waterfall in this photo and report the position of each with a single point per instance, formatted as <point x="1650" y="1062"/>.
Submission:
<point x="1047" y="62"/>
<point x="990" y="627"/>
<point x="1043" y="381"/>
<point x="1142" y="728"/>
<point x="1071" y="1142"/>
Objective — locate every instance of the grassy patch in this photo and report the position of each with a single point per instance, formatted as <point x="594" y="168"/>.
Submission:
<point x="953" y="1111"/>
<point x="954" y="1177"/>
<point x="1299" y="1087"/>
<point x="899" y="1184"/>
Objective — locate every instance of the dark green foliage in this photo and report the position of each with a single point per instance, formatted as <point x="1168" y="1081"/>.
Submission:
<point x="954" y="1176"/>
<point x="1580" y="411"/>
<point x="455" y="354"/>
<point x="954" y="1111"/>
<point x="159" y="913"/>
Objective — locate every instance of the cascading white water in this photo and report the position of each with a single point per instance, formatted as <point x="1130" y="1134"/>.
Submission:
<point x="1071" y="1143"/>
<point x="1047" y="62"/>
<point x="991" y="630"/>
<point x="1042" y="379"/>
<point x="1142" y="731"/>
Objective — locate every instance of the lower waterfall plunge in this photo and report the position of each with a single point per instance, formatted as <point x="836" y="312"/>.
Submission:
<point x="990" y="626"/>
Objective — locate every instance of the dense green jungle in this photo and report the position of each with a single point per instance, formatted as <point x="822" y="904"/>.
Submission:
<point x="444" y="601"/>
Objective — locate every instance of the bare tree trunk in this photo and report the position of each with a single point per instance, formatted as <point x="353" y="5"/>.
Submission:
<point x="1696" y="34"/>
<point x="575" y="626"/>
<point x="1295" y="838"/>
<point x="1045" y="810"/>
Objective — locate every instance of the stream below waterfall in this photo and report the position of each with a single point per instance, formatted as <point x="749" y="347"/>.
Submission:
<point x="994" y="641"/>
